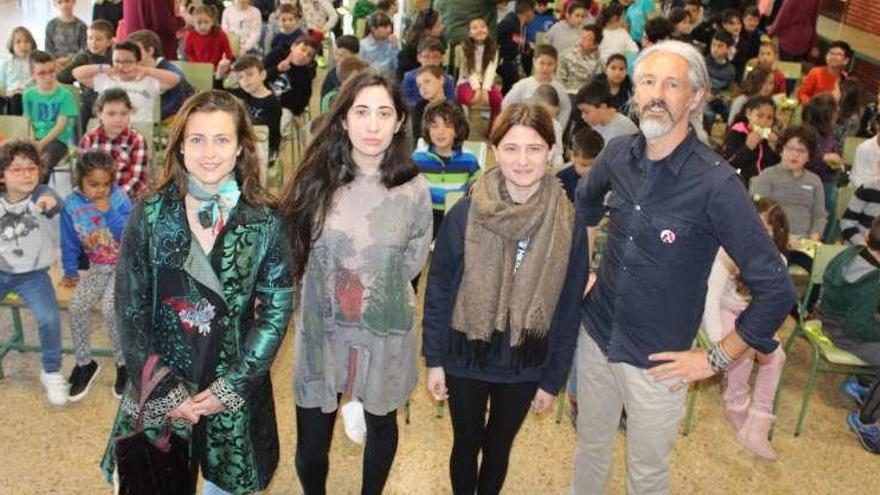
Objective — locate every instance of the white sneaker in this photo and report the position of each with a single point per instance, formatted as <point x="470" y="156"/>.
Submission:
<point x="56" y="387"/>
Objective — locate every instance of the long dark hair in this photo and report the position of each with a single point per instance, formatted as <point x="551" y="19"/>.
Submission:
<point x="469" y="48"/>
<point x="328" y="165"/>
<point x="818" y="114"/>
<point x="755" y="81"/>
<point x="850" y="99"/>
<point x="425" y="20"/>
<point x="751" y="104"/>
<point x="247" y="162"/>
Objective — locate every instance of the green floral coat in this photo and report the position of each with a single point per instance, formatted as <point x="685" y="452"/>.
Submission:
<point x="218" y="322"/>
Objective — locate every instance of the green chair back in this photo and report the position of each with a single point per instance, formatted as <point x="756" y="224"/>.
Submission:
<point x="844" y="194"/>
<point x="199" y="74"/>
<point x="824" y="254"/>
<point x="791" y="70"/>
<point x="478" y="148"/>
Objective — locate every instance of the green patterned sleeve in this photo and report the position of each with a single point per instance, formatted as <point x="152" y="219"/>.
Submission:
<point x="274" y="297"/>
<point x="134" y="312"/>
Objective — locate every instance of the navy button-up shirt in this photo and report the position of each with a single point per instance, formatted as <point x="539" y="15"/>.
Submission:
<point x="667" y="221"/>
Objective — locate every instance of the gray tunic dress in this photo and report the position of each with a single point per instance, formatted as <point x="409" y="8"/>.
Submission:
<point x="354" y="331"/>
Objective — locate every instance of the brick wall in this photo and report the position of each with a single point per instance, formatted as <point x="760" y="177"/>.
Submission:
<point x="864" y="15"/>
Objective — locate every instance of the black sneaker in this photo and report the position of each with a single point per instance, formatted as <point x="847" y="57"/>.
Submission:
<point x="81" y="379"/>
<point x="121" y="381"/>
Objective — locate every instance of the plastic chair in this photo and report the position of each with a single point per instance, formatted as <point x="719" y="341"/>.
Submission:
<point x="478" y="148"/>
<point x="823" y="255"/>
<point x="791" y="70"/>
<point x="199" y="74"/>
<point x="234" y="42"/>
<point x="701" y="342"/>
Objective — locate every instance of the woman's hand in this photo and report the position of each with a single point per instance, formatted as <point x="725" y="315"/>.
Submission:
<point x="437" y="383"/>
<point x="206" y="404"/>
<point x="542" y="402"/>
<point x="185" y="411"/>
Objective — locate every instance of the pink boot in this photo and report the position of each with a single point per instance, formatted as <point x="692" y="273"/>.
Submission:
<point x="755" y="433"/>
<point x="767" y="381"/>
<point x="736" y="390"/>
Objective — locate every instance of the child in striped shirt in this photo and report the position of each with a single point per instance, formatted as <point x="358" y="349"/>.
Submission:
<point x="445" y="164"/>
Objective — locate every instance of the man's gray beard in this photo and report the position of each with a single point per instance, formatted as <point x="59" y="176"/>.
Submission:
<point x="655" y="128"/>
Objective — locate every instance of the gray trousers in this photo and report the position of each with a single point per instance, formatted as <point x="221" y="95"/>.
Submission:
<point x="96" y="284"/>
<point x="653" y="414"/>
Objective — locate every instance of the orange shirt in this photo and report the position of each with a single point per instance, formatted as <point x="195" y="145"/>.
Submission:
<point x="819" y="80"/>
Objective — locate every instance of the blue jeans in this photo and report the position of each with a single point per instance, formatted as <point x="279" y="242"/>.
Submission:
<point x="38" y="294"/>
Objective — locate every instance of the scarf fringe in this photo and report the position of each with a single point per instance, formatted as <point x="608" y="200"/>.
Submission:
<point x="476" y="354"/>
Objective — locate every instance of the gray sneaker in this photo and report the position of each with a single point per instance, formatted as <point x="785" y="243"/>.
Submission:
<point x="56" y="387"/>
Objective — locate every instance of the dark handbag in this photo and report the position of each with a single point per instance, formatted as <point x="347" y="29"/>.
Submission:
<point x="148" y="467"/>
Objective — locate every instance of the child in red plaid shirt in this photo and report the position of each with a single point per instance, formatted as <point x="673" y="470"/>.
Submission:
<point x="116" y="136"/>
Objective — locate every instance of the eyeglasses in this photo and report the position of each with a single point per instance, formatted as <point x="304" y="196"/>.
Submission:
<point x="797" y="151"/>
<point x="19" y="171"/>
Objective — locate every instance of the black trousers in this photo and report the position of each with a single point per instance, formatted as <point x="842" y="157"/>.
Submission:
<point x="473" y="433"/>
<point x="314" y="432"/>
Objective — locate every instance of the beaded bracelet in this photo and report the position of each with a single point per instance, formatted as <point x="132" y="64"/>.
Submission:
<point x="719" y="360"/>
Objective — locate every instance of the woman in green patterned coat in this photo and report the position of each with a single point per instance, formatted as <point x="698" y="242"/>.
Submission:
<point x="204" y="281"/>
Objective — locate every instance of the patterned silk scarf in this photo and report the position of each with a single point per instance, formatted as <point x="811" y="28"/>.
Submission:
<point x="214" y="208"/>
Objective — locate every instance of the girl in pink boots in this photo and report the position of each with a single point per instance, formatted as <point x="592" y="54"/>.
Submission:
<point x="726" y="298"/>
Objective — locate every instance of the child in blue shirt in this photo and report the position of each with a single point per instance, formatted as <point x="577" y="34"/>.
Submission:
<point x="380" y="47"/>
<point x="544" y="18"/>
<point x="92" y="221"/>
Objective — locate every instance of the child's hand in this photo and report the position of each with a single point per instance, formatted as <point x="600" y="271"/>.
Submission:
<point x="223" y="66"/>
<point x="284" y="65"/>
<point x="46" y="203"/>
<point x="69" y="282"/>
<point x="752" y="140"/>
<point x="91" y="241"/>
<point x="833" y="160"/>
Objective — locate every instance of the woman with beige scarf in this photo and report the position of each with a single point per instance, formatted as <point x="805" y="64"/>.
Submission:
<point x="502" y="298"/>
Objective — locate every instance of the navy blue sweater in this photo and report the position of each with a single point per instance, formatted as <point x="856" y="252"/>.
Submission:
<point x="547" y="361"/>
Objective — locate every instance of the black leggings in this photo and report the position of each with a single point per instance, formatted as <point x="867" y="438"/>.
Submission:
<point x="510" y="403"/>
<point x="314" y="431"/>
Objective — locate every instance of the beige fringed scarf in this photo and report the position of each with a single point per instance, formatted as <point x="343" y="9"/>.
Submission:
<point x="490" y="293"/>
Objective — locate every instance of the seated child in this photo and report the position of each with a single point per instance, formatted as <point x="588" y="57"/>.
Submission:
<point x="262" y="104"/>
<point x="566" y="33"/>
<point x="593" y="102"/>
<point x="476" y="76"/>
<point x="543" y="20"/>
<point x="290" y="71"/>
<point x="320" y="17"/>
<point x="246" y="21"/>
<point x="615" y="37"/>
<point x="380" y="47"/>
<point x="580" y="63"/>
<point x="15" y="72"/>
<point x="143" y="84"/>
<point x="288" y="31"/>
<point x="585" y="146"/>
<point x="349" y="67"/>
<point x="92" y="222"/>
<point x="430" y="80"/>
<point x="618" y="80"/>
<point x="52" y="111"/>
<point x="722" y="76"/>
<point x="545" y="72"/>
<point x="768" y="53"/>
<point x="207" y="42"/>
<point x="65" y="34"/>
<point x="116" y="137"/>
<point x="445" y="164"/>
<point x="750" y="141"/>
<point x="27" y="252"/>
<point x="549" y="97"/>
<point x="430" y="52"/>
<point x="151" y="56"/>
<point x="514" y="49"/>
<point x="97" y="51"/>
<point x="346" y="46"/>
